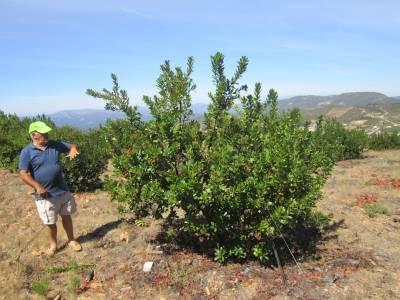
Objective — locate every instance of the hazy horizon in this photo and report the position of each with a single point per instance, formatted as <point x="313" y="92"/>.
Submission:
<point x="144" y="106"/>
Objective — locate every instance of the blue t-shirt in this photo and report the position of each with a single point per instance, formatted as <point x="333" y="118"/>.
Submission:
<point x="45" y="167"/>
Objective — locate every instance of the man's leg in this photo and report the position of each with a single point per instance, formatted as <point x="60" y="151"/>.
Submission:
<point x="53" y="239"/>
<point x="69" y="230"/>
<point x="68" y="227"/>
<point x="68" y="208"/>
<point x="47" y="214"/>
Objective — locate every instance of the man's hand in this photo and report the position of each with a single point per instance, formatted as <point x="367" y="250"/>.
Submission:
<point x="27" y="178"/>
<point x="73" y="152"/>
<point x="41" y="191"/>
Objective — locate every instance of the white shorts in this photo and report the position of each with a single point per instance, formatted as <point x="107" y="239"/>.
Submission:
<point x="49" y="208"/>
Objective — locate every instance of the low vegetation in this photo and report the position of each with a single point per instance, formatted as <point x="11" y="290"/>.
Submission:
<point x="375" y="208"/>
<point x="41" y="287"/>
<point x="73" y="284"/>
<point x="70" y="266"/>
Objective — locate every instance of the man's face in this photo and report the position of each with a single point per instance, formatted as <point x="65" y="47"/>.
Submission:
<point x="40" y="139"/>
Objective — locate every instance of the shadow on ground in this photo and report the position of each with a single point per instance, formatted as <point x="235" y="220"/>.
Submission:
<point x="99" y="232"/>
<point x="301" y="242"/>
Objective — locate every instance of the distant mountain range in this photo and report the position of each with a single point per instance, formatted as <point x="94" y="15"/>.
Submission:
<point x="371" y="111"/>
<point x="366" y="109"/>
<point x="84" y="118"/>
<point x="92" y="118"/>
<point x="311" y="102"/>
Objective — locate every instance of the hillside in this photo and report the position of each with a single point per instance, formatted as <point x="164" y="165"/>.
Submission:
<point x="92" y="118"/>
<point x="311" y="102"/>
<point x="86" y="118"/>
<point x="354" y="257"/>
<point x="371" y="111"/>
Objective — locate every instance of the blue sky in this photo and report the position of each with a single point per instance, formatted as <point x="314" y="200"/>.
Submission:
<point x="52" y="51"/>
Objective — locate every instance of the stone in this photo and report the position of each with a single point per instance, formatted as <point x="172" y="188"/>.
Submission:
<point x="346" y="262"/>
<point x="246" y="271"/>
<point x="318" y="269"/>
<point x="89" y="275"/>
<point x="187" y="261"/>
<point x="331" y="278"/>
<point x="147" y="266"/>
<point x="158" y="252"/>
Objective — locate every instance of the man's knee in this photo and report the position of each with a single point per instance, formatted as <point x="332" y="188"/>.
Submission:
<point x="69" y="206"/>
<point x="52" y="227"/>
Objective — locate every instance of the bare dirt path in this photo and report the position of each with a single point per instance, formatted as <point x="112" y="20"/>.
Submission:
<point x="357" y="256"/>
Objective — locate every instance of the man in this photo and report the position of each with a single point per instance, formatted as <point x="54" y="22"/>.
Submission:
<point x="40" y="168"/>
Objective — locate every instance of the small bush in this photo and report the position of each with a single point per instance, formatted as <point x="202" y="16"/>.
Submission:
<point x="41" y="287"/>
<point x="355" y="142"/>
<point x="73" y="284"/>
<point x="70" y="266"/>
<point x="373" y="209"/>
<point x="320" y="219"/>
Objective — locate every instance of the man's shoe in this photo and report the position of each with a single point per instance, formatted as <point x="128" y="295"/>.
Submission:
<point x="74" y="245"/>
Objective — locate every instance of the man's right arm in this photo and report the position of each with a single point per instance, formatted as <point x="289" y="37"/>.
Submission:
<point x="25" y="175"/>
<point x="28" y="179"/>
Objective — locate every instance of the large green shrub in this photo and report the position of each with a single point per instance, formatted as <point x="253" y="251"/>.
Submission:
<point x="338" y="142"/>
<point x="239" y="180"/>
<point x="14" y="136"/>
<point x="83" y="173"/>
<point x="384" y="140"/>
<point x="117" y="136"/>
<point x="11" y="140"/>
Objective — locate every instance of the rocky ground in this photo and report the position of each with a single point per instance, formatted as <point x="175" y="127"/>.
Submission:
<point x="355" y="257"/>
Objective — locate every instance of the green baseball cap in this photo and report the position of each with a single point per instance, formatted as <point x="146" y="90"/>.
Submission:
<point x="39" y="126"/>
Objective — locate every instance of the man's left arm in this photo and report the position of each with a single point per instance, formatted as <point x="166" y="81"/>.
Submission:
<point x="73" y="152"/>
